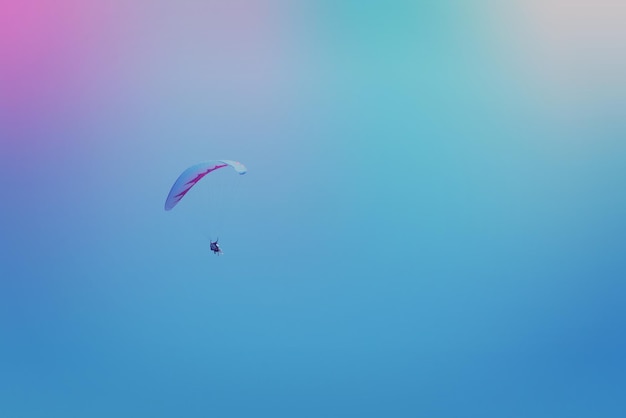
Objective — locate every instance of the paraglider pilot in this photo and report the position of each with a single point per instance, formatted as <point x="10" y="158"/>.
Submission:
<point x="215" y="247"/>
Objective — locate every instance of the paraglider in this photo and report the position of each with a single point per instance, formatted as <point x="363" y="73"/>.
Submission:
<point x="191" y="176"/>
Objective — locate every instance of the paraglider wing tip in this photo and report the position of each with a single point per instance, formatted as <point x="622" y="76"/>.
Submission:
<point x="239" y="167"/>
<point x="169" y="204"/>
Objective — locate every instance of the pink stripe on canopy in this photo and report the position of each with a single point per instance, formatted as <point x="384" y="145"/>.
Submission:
<point x="194" y="174"/>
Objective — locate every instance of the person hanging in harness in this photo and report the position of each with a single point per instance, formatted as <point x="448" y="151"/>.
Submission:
<point x="215" y="247"/>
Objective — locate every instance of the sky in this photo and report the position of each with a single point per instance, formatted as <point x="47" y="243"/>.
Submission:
<point x="432" y="223"/>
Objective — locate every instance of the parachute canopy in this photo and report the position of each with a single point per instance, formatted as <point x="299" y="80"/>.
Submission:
<point x="194" y="174"/>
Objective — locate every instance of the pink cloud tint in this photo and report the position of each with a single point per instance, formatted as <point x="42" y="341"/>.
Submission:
<point x="56" y="59"/>
<point x="42" y="45"/>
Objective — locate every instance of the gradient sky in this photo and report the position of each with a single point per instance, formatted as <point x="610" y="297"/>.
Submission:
<point x="432" y="225"/>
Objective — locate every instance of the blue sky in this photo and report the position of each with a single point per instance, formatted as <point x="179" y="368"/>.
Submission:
<point x="427" y="228"/>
